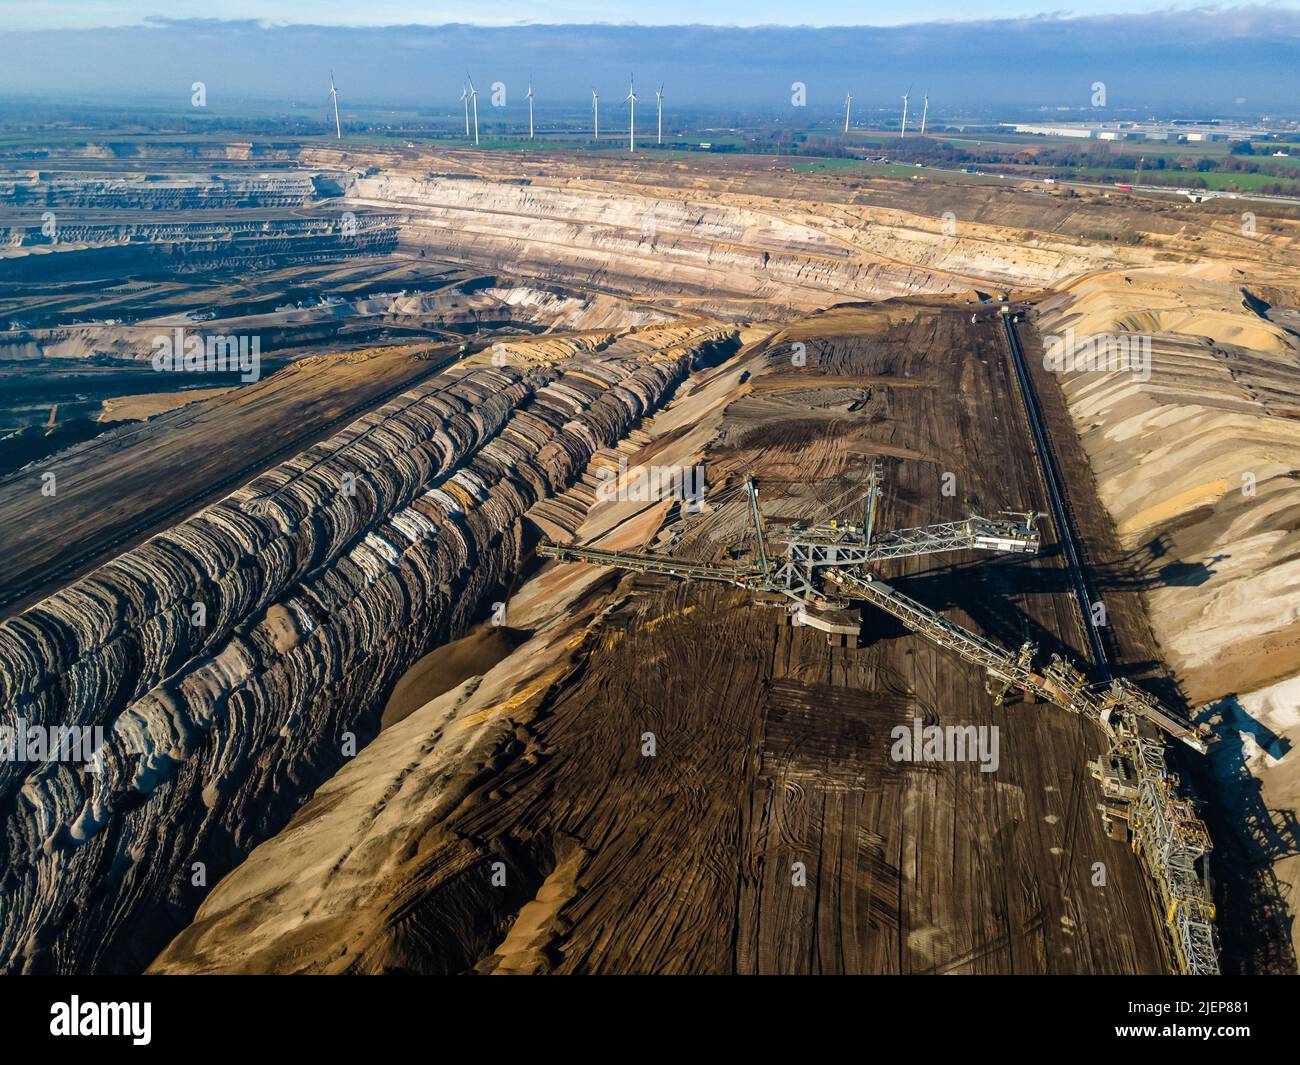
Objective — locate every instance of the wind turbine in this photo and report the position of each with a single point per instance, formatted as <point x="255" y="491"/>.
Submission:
<point x="925" y="111"/>
<point x="631" y="115"/>
<point x="659" y="101"/>
<point x="905" y="95"/>
<point x="473" y="95"/>
<point x="848" y="102"/>
<point x="334" y="95"/>
<point x="530" y="107"/>
<point x="464" y="98"/>
<point x="595" y="110"/>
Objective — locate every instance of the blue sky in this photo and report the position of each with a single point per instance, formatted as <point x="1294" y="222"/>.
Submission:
<point x="1246" y="59"/>
<point x="57" y="14"/>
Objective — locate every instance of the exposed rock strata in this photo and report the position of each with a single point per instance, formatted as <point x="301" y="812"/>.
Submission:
<point x="317" y="601"/>
<point x="637" y="243"/>
<point x="150" y="193"/>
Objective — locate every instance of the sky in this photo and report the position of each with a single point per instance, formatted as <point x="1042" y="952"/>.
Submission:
<point x="1240" y="61"/>
<point x="61" y="14"/>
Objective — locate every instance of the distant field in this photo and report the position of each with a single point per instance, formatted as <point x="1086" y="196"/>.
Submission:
<point x="903" y="170"/>
<point x="1150" y="149"/>
<point x="679" y="144"/>
<point x="1216" y="181"/>
<point x="815" y="165"/>
<point x="1262" y="154"/>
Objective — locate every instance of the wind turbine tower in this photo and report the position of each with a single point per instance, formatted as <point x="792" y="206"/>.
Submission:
<point x="530" y="107"/>
<point x="848" y="102"/>
<point x="334" y="95"/>
<point x="925" y="111"/>
<point x="473" y="95"/>
<point x="659" y="102"/>
<point x="904" y="133"/>
<point x="595" y="111"/>
<point x="631" y="115"/>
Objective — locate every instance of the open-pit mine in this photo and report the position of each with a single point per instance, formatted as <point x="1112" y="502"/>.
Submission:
<point x="440" y="561"/>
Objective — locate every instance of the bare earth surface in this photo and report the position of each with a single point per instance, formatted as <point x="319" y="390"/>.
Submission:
<point x="768" y="831"/>
<point x="771" y="746"/>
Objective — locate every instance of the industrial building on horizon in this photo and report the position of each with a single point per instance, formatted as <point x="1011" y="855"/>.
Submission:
<point x="1175" y="132"/>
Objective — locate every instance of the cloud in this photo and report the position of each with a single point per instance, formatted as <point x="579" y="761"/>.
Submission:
<point x="1200" y="58"/>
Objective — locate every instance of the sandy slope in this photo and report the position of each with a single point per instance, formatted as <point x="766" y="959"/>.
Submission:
<point x="1200" y="470"/>
<point x="1198" y="466"/>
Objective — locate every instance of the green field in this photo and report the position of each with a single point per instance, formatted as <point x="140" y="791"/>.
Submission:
<point x="722" y="142"/>
<point x="817" y="165"/>
<point x="901" y="170"/>
<point x="1262" y="154"/>
<point x="1178" y="178"/>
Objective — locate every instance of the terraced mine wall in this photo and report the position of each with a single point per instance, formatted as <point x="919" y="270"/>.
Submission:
<point x="197" y="255"/>
<point x="322" y="581"/>
<point x="770" y="241"/>
<point x="153" y="194"/>
<point x="637" y="243"/>
<point x="462" y="309"/>
<point x="266" y="153"/>
<point x="189" y="228"/>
